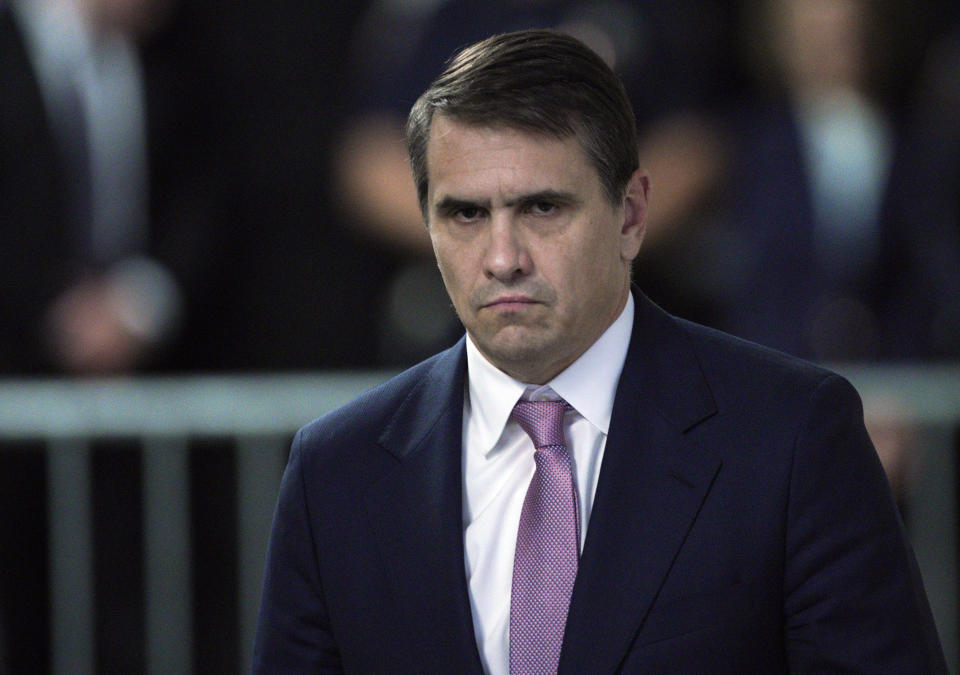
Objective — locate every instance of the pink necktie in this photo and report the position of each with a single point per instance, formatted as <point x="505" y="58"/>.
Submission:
<point x="548" y="542"/>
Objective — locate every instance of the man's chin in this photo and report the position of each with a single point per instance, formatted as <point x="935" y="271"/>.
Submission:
<point x="516" y="350"/>
<point x="510" y="340"/>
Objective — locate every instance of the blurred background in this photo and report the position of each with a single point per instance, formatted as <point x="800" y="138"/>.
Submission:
<point x="211" y="236"/>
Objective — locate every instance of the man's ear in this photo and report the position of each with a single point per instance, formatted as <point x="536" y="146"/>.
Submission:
<point x="634" y="215"/>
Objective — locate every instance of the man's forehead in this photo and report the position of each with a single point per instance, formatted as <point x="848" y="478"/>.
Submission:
<point x="469" y="157"/>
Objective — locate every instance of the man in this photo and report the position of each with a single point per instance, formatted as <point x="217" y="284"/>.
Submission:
<point x="710" y="506"/>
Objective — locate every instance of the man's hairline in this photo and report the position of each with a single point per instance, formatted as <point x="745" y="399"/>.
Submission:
<point x="577" y="130"/>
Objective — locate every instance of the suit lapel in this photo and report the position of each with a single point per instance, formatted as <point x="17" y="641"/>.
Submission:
<point x="652" y="483"/>
<point x="417" y="518"/>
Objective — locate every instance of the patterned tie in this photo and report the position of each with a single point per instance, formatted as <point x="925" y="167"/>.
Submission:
<point x="548" y="542"/>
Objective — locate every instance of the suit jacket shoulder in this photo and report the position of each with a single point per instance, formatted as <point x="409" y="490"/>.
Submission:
<point x="370" y="520"/>
<point x="751" y="522"/>
<point x="406" y="404"/>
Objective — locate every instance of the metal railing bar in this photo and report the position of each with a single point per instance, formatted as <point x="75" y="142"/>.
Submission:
<point x="173" y="406"/>
<point x="927" y="394"/>
<point x="260" y="463"/>
<point x="932" y="523"/>
<point x="169" y="604"/>
<point x="72" y="611"/>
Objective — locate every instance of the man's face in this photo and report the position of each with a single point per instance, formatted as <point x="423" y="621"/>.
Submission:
<point x="534" y="256"/>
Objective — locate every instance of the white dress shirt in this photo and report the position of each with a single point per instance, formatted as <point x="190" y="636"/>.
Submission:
<point x="498" y="465"/>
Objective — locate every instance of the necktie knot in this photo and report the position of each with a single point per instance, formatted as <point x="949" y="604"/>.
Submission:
<point x="542" y="420"/>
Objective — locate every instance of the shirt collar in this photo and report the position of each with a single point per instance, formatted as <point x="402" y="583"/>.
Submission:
<point x="491" y="394"/>
<point x="589" y="384"/>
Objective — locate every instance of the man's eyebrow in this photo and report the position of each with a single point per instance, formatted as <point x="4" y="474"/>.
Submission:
<point x="453" y="204"/>
<point x="561" y="196"/>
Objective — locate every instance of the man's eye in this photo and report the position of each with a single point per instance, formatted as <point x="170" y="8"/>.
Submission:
<point x="542" y="208"/>
<point x="468" y="214"/>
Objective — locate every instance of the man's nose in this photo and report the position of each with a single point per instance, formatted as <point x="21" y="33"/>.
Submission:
<point x="506" y="257"/>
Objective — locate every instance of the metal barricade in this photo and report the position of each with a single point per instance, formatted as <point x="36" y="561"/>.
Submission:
<point x="260" y="414"/>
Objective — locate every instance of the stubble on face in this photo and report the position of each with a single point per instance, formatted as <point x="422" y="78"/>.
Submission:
<point x="527" y="243"/>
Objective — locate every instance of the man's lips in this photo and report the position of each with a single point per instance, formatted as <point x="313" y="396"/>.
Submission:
<point x="510" y="302"/>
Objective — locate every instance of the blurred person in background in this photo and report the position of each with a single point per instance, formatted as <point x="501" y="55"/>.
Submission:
<point x="95" y="262"/>
<point x="163" y="190"/>
<point x="831" y="232"/>
<point x="104" y="217"/>
<point x="824" y="248"/>
<point x="928" y="179"/>
<point x="163" y="202"/>
<point x="924" y="202"/>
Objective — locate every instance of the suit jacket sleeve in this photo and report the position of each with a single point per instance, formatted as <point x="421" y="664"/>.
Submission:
<point x="293" y="630"/>
<point x="853" y="597"/>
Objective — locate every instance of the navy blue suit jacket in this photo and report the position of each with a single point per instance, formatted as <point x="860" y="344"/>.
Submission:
<point x="742" y="524"/>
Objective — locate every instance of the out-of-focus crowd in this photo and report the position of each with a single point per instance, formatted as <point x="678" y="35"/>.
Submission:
<point x="223" y="186"/>
<point x="165" y="189"/>
<point x="211" y="186"/>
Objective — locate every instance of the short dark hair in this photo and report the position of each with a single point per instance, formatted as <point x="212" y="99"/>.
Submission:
<point x="540" y="81"/>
